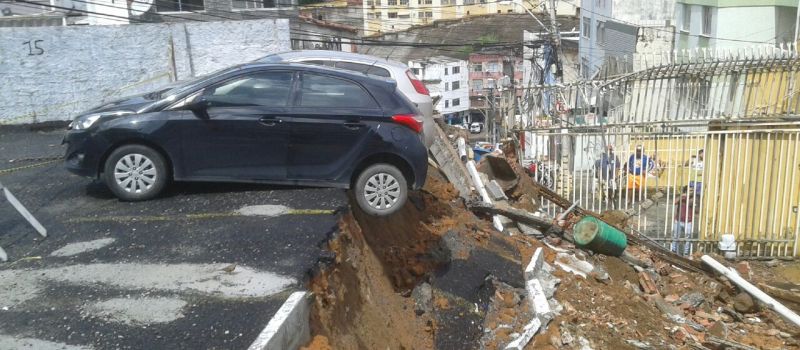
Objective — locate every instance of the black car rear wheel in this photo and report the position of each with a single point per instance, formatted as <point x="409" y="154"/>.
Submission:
<point x="135" y="172"/>
<point x="381" y="189"/>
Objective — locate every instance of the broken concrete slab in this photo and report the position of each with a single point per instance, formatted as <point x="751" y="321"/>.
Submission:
<point x="495" y="191"/>
<point x="535" y="264"/>
<point x="539" y="300"/>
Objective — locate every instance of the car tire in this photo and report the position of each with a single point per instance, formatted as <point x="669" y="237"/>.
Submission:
<point x="381" y="189"/>
<point x="135" y="172"/>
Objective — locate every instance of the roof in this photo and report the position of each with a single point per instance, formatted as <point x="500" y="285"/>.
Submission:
<point x="505" y="28"/>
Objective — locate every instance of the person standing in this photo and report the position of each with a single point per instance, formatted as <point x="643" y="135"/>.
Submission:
<point x="606" y="171"/>
<point x="637" y="166"/>
<point x="684" y="217"/>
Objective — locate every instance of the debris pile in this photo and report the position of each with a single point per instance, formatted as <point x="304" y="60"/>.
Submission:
<point x="440" y="275"/>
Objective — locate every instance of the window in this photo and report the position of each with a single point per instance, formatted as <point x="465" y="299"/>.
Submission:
<point x="490" y="84"/>
<point x="456" y="102"/>
<point x="446" y="86"/>
<point x="477" y="85"/>
<point x="687" y="17"/>
<point x="370" y="3"/>
<point x="415" y="71"/>
<point x="377" y="2"/>
<point x="587" y="27"/>
<point x="407" y="15"/>
<point x="404" y="2"/>
<point x="477" y="67"/>
<point x="493" y="67"/>
<point x="601" y="32"/>
<point x="370" y="15"/>
<point x="250" y="4"/>
<point x="445" y="70"/>
<point x="196" y="5"/>
<point x="391" y="2"/>
<point x="378" y="14"/>
<point x="446" y="103"/>
<point x="456" y="70"/>
<point x="469" y="2"/>
<point x="429" y="14"/>
<point x="392" y="15"/>
<point x="260" y="89"/>
<point x="328" y="92"/>
<point x="706" y="20"/>
<point x="427" y="2"/>
<point x="456" y="85"/>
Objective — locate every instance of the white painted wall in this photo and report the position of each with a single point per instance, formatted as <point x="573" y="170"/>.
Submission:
<point x="748" y="25"/>
<point x="63" y="71"/>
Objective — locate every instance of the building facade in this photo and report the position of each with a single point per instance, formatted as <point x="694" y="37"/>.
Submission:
<point x="493" y="73"/>
<point x="447" y="80"/>
<point x="381" y="16"/>
<point x="734" y="24"/>
<point x="618" y="28"/>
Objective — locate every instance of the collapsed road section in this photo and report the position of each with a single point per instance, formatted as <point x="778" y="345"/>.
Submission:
<point x="439" y="275"/>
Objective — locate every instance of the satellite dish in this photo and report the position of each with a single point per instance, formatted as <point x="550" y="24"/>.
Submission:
<point x="139" y="7"/>
<point x="7" y="11"/>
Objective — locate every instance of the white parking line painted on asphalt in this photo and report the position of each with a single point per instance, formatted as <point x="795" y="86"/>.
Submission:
<point x="9" y="342"/>
<point x="24" y="284"/>
<point x="82" y="247"/>
<point x="138" y="311"/>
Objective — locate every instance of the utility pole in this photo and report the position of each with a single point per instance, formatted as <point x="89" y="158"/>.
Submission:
<point x="555" y="39"/>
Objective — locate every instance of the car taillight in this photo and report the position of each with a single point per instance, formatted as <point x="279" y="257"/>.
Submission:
<point x="418" y="85"/>
<point x="409" y="120"/>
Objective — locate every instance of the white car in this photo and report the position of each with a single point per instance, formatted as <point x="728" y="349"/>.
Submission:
<point x="475" y="128"/>
<point x="407" y="82"/>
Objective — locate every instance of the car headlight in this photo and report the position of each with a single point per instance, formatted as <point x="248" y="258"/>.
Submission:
<point x="86" y="121"/>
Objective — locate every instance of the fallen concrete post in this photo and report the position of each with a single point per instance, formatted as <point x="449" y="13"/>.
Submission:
<point x="516" y="215"/>
<point x="734" y="277"/>
<point x="476" y="180"/>
<point x="462" y="149"/>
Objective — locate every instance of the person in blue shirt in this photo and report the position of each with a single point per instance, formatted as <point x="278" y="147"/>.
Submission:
<point x="637" y="167"/>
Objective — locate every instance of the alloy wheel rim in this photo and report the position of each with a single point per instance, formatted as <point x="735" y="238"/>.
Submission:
<point x="382" y="191"/>
<point x="135" y="173"/>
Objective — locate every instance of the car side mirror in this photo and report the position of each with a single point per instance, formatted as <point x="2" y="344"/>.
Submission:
<point x="199" y="106"/>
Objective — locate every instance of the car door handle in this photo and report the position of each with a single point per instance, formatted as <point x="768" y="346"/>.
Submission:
<point x="270" y="121"/>
<point x="354" y="125"/>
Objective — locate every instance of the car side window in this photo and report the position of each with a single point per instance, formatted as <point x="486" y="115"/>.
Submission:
<point x="329" y="92"/>
<point x="364" y="68"/>
<point x="268" y="89"/>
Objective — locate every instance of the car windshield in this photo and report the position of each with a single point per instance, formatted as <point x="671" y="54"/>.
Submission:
<point x="178" y="86"/>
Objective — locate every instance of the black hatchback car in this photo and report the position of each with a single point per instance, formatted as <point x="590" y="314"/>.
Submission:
<point x="266" y="123"/>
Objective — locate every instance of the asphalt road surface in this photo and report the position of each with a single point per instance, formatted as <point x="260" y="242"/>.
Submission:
<point x="148" y="275"/>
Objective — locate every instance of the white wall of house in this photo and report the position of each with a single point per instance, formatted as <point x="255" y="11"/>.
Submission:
<point x="440" y="78"/>
<point x="747" y="25"/>
<point x="61" y="71"/>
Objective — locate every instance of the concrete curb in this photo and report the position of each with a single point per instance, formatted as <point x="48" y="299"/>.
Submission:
<point x="289" y="328"/>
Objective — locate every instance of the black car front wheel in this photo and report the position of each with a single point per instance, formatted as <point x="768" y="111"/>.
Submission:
<point x="381" y="189"/>
<point x="135" y="172"/>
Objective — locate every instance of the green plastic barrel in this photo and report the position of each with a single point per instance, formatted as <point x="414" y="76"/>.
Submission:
<point x="599" y="237"/>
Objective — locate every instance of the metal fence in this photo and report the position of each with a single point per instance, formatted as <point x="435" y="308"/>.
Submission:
<point x="743" y="181"/>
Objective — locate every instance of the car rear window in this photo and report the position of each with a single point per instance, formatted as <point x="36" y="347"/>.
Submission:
<point x="329" y="92"/>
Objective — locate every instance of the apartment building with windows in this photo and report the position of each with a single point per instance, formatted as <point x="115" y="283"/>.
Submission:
<point x="447" y="80"/>
<point x="492" y="73"/>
